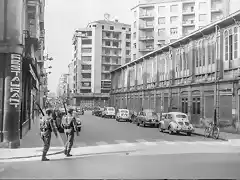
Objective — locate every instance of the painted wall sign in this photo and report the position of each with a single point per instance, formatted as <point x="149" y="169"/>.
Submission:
<point x="15" y="84"/>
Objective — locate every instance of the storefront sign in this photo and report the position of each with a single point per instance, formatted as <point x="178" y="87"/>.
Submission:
<point x="15" y="84"/>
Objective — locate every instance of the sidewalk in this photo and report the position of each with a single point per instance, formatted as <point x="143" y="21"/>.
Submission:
<point x="31" y="145"/>
<point x="223" y="135"/>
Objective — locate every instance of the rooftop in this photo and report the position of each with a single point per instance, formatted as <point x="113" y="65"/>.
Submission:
<point x="110" y="22"/>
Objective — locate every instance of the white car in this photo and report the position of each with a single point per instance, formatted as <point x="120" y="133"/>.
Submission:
<point x="176" y="122"/>
<point x="108" y="112"/>
<point x="123" y="114"/>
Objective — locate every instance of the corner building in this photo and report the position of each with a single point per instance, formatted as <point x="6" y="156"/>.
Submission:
<point x="193" y="75"/>
<point x="21" y="56"/>
<point x="102" y="46"/>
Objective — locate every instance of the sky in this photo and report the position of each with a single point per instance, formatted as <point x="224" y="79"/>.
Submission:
<point x="62" y="17"/>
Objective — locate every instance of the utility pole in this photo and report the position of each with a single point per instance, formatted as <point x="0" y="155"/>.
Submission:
<point x="217" y="77"/>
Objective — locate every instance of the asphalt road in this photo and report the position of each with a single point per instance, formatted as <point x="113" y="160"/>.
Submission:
<point x="174" y="166"/>
<point x="99" y="131"/>
<point x="145" y="153"/>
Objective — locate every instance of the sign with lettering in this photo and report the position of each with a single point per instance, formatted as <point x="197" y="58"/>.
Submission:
<point x="15" y="84"/>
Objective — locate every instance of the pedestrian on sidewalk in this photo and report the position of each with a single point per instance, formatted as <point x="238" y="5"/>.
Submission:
<point x="47" y="125"/>
<point x="70" y="126"/>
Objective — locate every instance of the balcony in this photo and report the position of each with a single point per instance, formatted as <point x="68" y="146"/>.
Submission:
<point x="146" y="49"/>
<point x="85" y="87"/>
<point x="216" y="10"/>
<point x="85" y="79"/>
<point x="189" y="23"/>
<point x="86" y="70"/>
<point x="146" y="38"/>
<point x="146" y="15"/>
<point x="146" y="26"/>
<point x="86" y="54"/>
<point x="188" y="11"/>
<point x="86" y="45"/>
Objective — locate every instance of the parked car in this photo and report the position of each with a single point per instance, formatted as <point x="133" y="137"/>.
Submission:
<point x="147" y="117"/>
<point x="99" y="112"/>
<point x="108" y="112"/>
<point x="95" y="110"/>
<point x="176" y="122"/>
<point x="123" y="115"/>
<point x="80" y="111"/>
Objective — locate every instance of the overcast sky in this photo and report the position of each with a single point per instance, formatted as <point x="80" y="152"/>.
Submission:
<point x="62" y="17"/>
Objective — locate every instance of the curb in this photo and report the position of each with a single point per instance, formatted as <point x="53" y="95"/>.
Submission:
<point x="32" y="156"/>
<point x="199" y="134"/>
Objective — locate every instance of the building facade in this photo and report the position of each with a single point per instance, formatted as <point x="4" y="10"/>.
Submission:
<point x="62" y="88"/>
<point x="21" y="49"/>
<point x="194" y="75"/>
<point x="159" y="22"/>
<point x="99" y="48"/>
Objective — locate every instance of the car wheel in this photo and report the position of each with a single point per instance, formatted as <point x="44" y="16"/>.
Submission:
<point x="138" y="123"/>
<point x="189" y="133"/>
<point x="170" y="130"/>
<point x="160" y="128"/>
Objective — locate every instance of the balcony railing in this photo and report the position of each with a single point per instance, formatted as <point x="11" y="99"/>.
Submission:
<point x="142" y="38"/>
<point x="188" y="11"/>
<point x="146" y="49"/>
<point x="146" y="15"/>
<point x="215" y="9"/>
<point x="189" y="22"/>
<point x="146" y="26"/>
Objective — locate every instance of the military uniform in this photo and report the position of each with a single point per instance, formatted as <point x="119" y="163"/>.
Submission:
<point x="70" y="126"/>
<point x="47" y="125"/>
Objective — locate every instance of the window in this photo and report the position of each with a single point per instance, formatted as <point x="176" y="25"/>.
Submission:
<point x="135" y="14"/>
<point x="128" y="36"/>
<point x="128" y="44"/>
<point x="86" y="75"/>
<point x="174" y="8"/>
<point x="134" y="56"/>
<point x="161" y="31"/>
<point x="107" y="51"/>
<point x="202" y="6"/>
<point x="107" y="43"/>
<point x="123" y="28"/>
<point x="107" y="59"/>
<point x="235" y="41"/>
<point x="185" y="105"/>
<point x="134" y="35"/>
<point x="115" y="44"/>
<point x="128" y="52"/>
<point x="161" y="20"/>
<point x="135" y="24"/>
<point x="209" y="51"/>
<point x="174" y="19"/>
<point x="173" y="31"/>
<point x="86" y="50"/>
<point x="135" y="45"/>
<point x="86" y="67"/>
<point x="202" y="17"/>
<point x="226" y="45"/>
<point x="161" y="9"/>
<point x="111" y="28"/>
<point x="102" y="27"/>
<point x="86" y="41"/>
<point x="203" y="52"/>
<point x="106" y="68"/>
<point x="94" y="25"/>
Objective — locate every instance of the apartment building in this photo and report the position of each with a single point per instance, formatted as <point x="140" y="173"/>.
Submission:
<point x="62" y="88"/>
<point x="159" y="22"/>
<point x="102" y="46"/>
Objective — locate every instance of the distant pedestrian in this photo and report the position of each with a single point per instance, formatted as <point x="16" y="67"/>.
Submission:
<point x="70" y="126"/>
<point x="47" y="125"/>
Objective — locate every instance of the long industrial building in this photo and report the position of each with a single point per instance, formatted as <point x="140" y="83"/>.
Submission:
<point x="194" y="75"/>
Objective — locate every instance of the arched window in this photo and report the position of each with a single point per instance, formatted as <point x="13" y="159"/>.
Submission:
<point x="235" y="41"/>
<point x="226" y="45"/>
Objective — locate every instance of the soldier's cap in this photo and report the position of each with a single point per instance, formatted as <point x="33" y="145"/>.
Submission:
<point x="70" y="110"/>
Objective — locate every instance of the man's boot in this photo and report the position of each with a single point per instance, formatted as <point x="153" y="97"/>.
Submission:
<point x="68" y="153"/>
<point x="44" y="158"/>
<point x="65" y="152"/>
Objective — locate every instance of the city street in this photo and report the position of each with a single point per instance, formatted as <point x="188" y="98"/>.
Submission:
<point x="110" y="149"/>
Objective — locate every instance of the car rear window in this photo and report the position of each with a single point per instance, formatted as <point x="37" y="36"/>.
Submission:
<point x="110" y="109"/>
<point x="124" y="111"/>
<point x="181" y="116"/>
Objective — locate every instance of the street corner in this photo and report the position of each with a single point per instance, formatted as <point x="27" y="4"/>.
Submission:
<point x="14" y="154"/>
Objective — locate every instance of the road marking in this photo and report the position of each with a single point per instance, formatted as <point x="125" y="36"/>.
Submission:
<point x="101" y="143"/>
<point x="81" y="144"/>
<point x="150" y="143"/>
<point x="121" y="141"/>
<point x="141" y="140"/>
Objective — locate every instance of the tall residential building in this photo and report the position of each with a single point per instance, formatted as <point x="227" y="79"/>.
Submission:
<point x="62" y="86"/>
<point x="99" y="48"/>
<point x="159" y="22"/>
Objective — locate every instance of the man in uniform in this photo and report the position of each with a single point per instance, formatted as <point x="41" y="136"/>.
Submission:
<point x="70" y="126"/>
<point x="47" y="125"/>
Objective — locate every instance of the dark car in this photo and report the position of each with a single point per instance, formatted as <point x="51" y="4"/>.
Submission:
<point x="147" y="117"/>
<point x="95" y="110"/>
<point x="99" y="112"/>
<point x="80" y="111"/>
